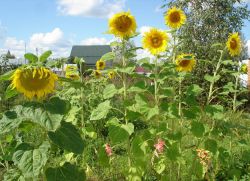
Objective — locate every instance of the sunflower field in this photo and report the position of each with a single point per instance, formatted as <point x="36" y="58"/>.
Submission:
<point x="118" y="124"/>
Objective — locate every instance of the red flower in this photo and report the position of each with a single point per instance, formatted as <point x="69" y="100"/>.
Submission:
<point x="159" y="146"/>
<point x="108" y="149"/>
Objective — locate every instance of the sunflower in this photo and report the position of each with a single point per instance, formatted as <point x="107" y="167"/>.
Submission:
<point x="156" y="41"/>
<point x="175" y="18"/>
<point x="34" y="82"/>
<point x="72" y="75"/>
<point x="122" y="25"/>
<point x="100" y="65"/>
<point x="97" y="73"/>
<point x="244" y="68"/>
<point x="185" y="63"/>
<point x="234" y="44"/>
<point x="111" y="74"/>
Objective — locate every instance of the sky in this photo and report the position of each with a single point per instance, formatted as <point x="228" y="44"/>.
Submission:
<point x="57" y="25"/>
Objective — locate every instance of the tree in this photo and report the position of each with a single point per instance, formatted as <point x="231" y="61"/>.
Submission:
<point x="210" y="22"/>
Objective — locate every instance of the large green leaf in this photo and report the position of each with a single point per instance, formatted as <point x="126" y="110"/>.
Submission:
<point x="68" y="138"/>
<point x="31" y="160"/>
<point x="6" y="76"/>
<point x="10" y="92"/>
<point x="109" y="91"/>
<point x="31" y="57"/>
<point x="120" y="132"/>
<point x="197" y="129"/>
<point x="67" y="172"/>
<point x="211" y="145"/>
<point x="48" y="115"/>
<point x="108" y="56"/>
<point x="45" y="56"/>
<point x="173" y="151"/>
<point x="101" y="111"/>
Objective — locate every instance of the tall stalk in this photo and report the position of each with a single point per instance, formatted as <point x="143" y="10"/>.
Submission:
<point x="124" y="82"/>
<point x="237" y="77"/>
<point x="210" y="94"/>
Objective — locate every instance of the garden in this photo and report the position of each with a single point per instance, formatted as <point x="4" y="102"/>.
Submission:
<point x="186" y="117"/>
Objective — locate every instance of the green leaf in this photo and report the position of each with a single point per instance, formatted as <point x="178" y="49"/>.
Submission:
<point x="160" y="166"/>
<point x="101" y="111"/>
<point x="120" y="133"/>
<point x="31" y="161"/>
<point x="7" y="75"/>
<point x="68" y="138"/>
<point x="90" y="131"/>
<point x="197" y="129"/>
<point x="211" y="145"/>
<point x="138" y="147"/>
<point x="152" y="112"/>
<point x="127" y="70"/>
<point x="31" y="57"/>
<point x="68" y="172"/>
<point x="103" y="158"/>
<point x="45" y="56"/>
<point x="173" y="151"/>
<point x="210" y="78"/>
<point x="108" y="56"/>
<point x="10" y="92"/>
<point x="109" y="91"/>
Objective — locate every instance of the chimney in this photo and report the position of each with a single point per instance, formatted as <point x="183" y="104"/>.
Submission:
<point x="248" y="74"/>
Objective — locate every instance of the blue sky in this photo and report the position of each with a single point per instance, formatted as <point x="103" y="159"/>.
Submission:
<point x="59" y="24"/>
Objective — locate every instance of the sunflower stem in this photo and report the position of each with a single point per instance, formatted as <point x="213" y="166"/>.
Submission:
<point x="235" y="89"/>
<point x="210" y="94"/>
<point x="179" y="107"/>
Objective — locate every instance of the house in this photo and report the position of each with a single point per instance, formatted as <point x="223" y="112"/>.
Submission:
<point x="90" y="54"/>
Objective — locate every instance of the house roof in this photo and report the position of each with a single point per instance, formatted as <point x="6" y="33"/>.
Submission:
<point x="90" y="53"/>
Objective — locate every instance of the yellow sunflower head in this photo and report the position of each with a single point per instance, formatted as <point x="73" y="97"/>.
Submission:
<point x="111" y="74"/>
<point x="155" y="41"/>
<point x="100" y="65"/>
<point x="72" y="75"/>
<point x="175" y="18"/>
<point x="122" y="25"/>
<point x="234" y="44"/>
<point x="244" y="68"/>
<point x="97" y="73"/>
<point x="34" y="82"/>
<point x="185" y="63"/>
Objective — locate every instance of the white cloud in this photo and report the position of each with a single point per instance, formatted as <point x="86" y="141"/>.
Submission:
<point x="90" y="8"/>
<point x="144" y="29"/>
<point x="95" y="41"/>
<point x="53" y="40"/>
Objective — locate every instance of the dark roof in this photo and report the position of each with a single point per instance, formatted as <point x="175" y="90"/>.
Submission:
<point x="90" y="53"/>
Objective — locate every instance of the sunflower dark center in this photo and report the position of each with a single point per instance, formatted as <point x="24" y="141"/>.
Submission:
<point x="156" y="42"/>
<point x="123" y="23"/>
<point x="175" y="17"/>
<point x="233" y="44"/>
<point x="184" y="63"/>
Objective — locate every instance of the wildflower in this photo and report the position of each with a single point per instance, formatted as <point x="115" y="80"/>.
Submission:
<point x="175" y="18"/>
<point x="72" y="75"/>
<point x="156" y="41"/>
<point x="100" y="65"/>
<point x="34" y="82"/>
<point x="185" y="62"/>
<point x="111" y="74"/>
<point x="204" y="157"/>
<point x="108" y="150"/>
<point x="234" y="44"/>
<point x="122" y="25"/>
<point x="159" y="147"/>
